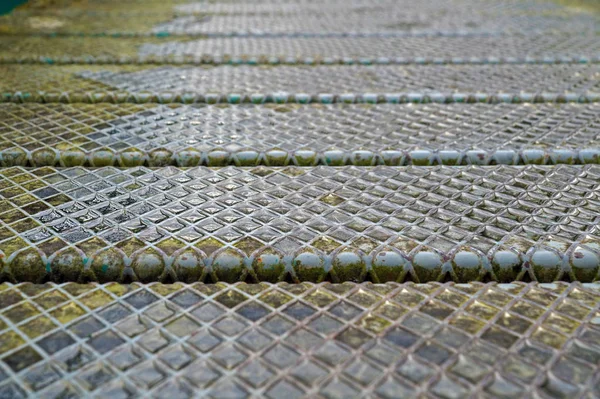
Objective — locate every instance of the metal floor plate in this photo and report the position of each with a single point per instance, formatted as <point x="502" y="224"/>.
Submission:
<point x="325" y="18"/>
<point x="321" y="341"/>
<point x="300" y="198"/>
<point x="302" y="84"/>
<point x="301" y="224"/>
<point x="499" y="7"/>
<point x="360" y="134"/>
<point x="544" y="48"/>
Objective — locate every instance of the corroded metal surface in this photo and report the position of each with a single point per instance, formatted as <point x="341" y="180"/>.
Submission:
<point x="324" y="341"/>
<point x="300" y="224"/>
<point x="249" y="135"/>
<point x="539" y="48"/>
<point x="300" y="84"/>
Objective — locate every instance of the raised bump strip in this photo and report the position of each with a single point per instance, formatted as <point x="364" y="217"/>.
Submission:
<point x="119" y="97"/>
<point x="380" y="224"/>
<point x="300" y="84"/>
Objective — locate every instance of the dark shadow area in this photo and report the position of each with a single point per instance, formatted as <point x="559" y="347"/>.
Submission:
<point x="7" y="6"/>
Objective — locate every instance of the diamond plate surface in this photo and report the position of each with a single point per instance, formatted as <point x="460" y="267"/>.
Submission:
<point x="300" y="224"/>
<point x="546" y="48"/>
<point x="361" y="134"/>
<point x="302" y="84"/>
<point x="321" y="341"/>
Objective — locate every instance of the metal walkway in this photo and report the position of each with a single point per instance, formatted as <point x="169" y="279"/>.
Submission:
<point x="300" y="198"/>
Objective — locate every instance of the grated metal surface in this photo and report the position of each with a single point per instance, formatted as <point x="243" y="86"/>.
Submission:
<point x="247" y="80"/>
<point x="301" y="224"/>
<point x="324" y="341"/>
<point x="432" y="7"/>
<point x="302" y="84"/>
<point x="458" y="49"/>
<point x="367" y="281"/>
<point x="216" y="135"/>
<point x="543" y="48"/>
<point x="377" y="21"/>
<point x="323" y="18"/>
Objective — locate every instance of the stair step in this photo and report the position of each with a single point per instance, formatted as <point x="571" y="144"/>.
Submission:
<point x="302" y="84"/>
<point x="289" y="134"/>
<point x="301" y="224"/>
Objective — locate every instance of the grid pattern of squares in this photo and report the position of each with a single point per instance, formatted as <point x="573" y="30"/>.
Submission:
<point x="324" y="341"/>
<point x="344" y="224"/>
<point x="216" y="135"/>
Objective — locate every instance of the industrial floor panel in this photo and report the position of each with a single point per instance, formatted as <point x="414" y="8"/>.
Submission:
<point x="302" y="84"/>
<point x="35" y="134"/>
<point x="300" y="198"/>
<point x="381" y="224"/>
<point x="378" y="21"/>
<point x="324" y="18"/>
<point x="431" y="7"/>
<point x="300" y="340"/>
<point x="541" y="48"/>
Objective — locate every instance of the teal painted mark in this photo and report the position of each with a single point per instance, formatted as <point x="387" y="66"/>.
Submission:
<point x="7" y="6"/>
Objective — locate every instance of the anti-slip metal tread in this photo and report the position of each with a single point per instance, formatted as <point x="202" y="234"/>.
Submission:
<point x="232" y="224"/>
<point x="249" y="135"/>
<point x="393" y="20"/>
<point x="429" y="6"/>
<point x="247" y="80"/>
<point x="302" y="84"/>
<point x="297" y="278"/>
<point x="307" y="18"/>
<point x="306" y="340"/>
<point x="543" y="48"/>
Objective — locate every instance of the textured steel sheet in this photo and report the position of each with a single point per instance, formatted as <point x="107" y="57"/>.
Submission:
<point x="302" y="84"/>
<point x="300" y="224"/>
<point x="320" y="341"/>
<point x="543" y="48"/>
<point x="361" y="134"/>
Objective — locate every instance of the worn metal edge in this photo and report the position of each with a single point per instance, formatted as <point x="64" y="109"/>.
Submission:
<point x="174" y="260"/>
<point x="298" y="34"/>
<point x="275" y="60"/>
<point x="189" y="264"/>
<point x="191" y="157"/>
<point x="119" y="97"/>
